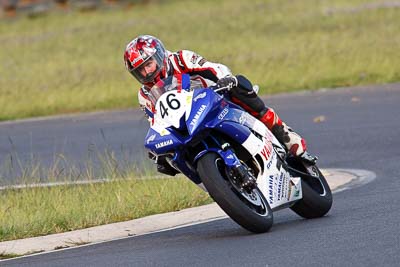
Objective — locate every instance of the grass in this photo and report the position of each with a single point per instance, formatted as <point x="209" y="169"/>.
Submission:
<point x="106" y="187"/>
<point x="64" y="63"/>
<point x="4" y="256"/>
<point x="45" y="210"/>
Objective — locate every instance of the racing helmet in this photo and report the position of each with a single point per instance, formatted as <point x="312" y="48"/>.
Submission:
<point x="142" y="49"/>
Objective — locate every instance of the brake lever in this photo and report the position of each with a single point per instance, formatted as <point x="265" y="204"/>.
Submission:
<point x="218" y="89"/>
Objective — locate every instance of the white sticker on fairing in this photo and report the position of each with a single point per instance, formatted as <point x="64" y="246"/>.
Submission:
<point x="273" y="180"/>
<point x="253" y="144"/>
<point x="151" y="138"/>
<point x="278" y="186"/>
<point x="170" y="108"/>
<point x="295" y="190"/>
<point x="200" y="96"/>
<point x="223" y="113"/>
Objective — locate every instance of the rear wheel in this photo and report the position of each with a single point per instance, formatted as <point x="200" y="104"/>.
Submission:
<point x="249" y="209"/>
<point x="317" y="196"/>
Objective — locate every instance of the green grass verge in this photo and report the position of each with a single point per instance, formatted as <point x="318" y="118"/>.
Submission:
<point x="46" y="210"/>
<point x="4" y="256"/>
<point x="72" y="62"/>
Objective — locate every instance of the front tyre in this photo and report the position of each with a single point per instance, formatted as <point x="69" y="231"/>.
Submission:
<point x="250" y="210"/>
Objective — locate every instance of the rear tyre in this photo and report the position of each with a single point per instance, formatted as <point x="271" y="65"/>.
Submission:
<point x="250" y="210"/>
<point x="317" y="196"/>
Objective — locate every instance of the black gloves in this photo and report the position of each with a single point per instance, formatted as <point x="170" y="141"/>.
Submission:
<point x="228" y="81"/>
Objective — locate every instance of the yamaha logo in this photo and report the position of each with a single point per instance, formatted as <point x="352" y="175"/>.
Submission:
<point x="165" y="143"/>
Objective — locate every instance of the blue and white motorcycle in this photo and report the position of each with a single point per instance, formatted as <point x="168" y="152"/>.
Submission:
<point x="232" y="155"/>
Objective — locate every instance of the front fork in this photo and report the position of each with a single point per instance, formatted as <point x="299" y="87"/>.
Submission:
<point x="239" y="173"/>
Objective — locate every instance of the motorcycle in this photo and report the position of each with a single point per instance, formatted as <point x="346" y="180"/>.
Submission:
<point x="232" y="155"/>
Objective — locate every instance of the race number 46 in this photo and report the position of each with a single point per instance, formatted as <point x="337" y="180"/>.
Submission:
<point x="170" y="102"/>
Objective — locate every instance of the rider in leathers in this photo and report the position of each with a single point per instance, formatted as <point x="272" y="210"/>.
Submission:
<point x="148" y="61"/>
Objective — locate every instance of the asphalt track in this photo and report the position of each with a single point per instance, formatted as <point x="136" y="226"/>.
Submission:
<point x="355" y="128"/>
<point x="71" y="143"/>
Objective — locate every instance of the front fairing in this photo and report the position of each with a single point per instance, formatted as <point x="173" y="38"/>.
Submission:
<point x="205" y="104"/>
<point x="161" y="141"/>
<point x="196" y="109"/>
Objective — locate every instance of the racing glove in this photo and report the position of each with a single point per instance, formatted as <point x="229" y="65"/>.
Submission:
<point x="228" y="81"/>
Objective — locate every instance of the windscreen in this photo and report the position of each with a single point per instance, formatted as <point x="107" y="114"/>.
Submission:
<point x="175" y="82"/>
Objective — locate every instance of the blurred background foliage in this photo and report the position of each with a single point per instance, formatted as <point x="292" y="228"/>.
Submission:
<point x="67" y="56"/>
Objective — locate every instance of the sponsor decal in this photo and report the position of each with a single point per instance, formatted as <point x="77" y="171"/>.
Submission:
<point x="223" y="113"/>
<point x="285" y="187"/>
<point x="198" y="114"/>
<point x="180" y="62"/>
<point x="202" y="61"/>
<point x="291" y="184"/>
<point x="223" y="103"/>
<point x="271" y="188"/>
<point x="164" y="143"/>
<point x="136" y="60"/>
<point x="293" y="187"/>
<point x="269" y="164"/>
<point x="280" y="182"/>
<point x="267" y="150"/>
<point x="151" y="138"/>
<point x="194" y="58"/>
<point x="242" y="118"/>
<point x="164" y="132"/>
<point x="200" y="96"/>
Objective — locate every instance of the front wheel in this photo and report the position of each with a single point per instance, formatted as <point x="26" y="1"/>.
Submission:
<point x="249" y="209"/>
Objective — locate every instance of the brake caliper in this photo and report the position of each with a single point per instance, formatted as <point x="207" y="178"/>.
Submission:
<point x="247" y="181"/>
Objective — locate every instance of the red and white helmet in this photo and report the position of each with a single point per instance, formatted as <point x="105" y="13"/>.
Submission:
<point x="140" y="50"/>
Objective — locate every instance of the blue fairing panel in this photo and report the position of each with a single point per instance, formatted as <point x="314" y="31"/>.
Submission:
<point x="235" y="130"/>
<point x="203" y="101"/>
<point x="234" y="122"/>
<point x="160" y="144"/>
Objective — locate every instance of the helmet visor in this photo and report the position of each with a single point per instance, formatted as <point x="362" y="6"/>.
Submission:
<point x="140" y="72"/>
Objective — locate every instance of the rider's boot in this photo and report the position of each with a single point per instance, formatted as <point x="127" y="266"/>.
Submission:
<point x="293" y="142"/>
